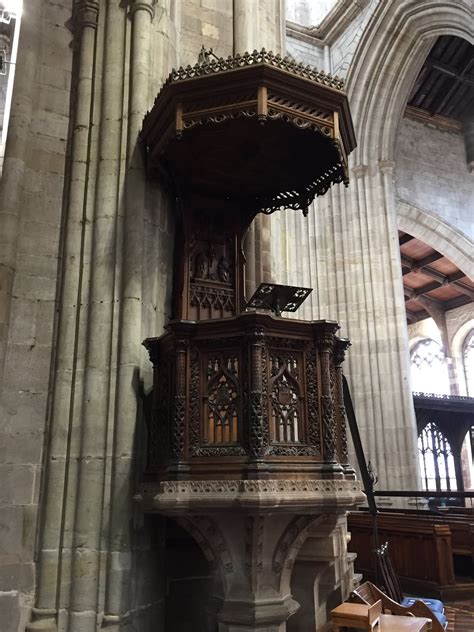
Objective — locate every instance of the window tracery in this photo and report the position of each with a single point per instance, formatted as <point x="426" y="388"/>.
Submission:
<point x="468" y="362"/>
<point x="429" y="369"/>
<point x="436" y="460"/>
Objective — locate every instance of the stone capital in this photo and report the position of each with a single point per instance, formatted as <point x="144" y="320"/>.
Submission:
<point x="86" y="14"/>
<point x="142" y="5"/>
<point x="359" y="171"/>
<point x="387" y="166"/>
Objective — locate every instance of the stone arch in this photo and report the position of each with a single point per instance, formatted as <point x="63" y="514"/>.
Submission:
<point x="289" y="546"/>
<point x="388" y="58"/>
<point x="212" y="543"/>
<point x="457" y="350"/>
<point x="438" y="234"/>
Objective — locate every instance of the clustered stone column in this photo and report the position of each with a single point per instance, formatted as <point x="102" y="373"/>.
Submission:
<point x="351" y="259"/>
<point x="118" y="601"/>
<point x="258" y="25"/>
<point x="87" y="501"/>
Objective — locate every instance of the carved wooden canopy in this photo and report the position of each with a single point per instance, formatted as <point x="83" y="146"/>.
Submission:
<point x="258" y="131"/>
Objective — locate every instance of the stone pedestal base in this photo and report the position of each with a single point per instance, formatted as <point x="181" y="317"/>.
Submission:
<point x="323" y="576"/>
<point x="251" y="533"/>
<point x="43" y="620"/>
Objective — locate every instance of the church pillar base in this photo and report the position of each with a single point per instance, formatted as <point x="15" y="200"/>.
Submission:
<point x="43" y="620"/>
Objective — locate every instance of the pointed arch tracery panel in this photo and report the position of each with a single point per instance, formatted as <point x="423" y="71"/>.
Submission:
<point x="429" y="368"/>
<point x="286" y="415"/>
<point x="468" y="362"/>
<point x="436" y="459"/>
<point x="222" y="400"/>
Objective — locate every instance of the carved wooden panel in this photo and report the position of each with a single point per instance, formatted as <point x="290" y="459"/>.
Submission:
<point x="210" y="281"/>
<point x="216" y="402"/>
<point x="245" y="388"/>
<point x="286" y="399"/>
<point x="222" y="409"/>
<point x="293" y="403"/>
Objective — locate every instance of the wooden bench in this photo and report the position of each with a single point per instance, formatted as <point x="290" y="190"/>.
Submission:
<point x="460" y="522"/>
<point x="421" y="550"/>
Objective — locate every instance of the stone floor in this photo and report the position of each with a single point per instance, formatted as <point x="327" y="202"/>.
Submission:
<point x="460" y="615"/>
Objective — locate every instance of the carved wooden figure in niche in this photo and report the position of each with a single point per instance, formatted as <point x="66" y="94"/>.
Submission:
<point x="223" y="270"/>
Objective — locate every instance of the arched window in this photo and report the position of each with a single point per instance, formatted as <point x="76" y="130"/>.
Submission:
<point x="436" y="460"/>
<point x="429" y="369"/>
<point x="468" y="362"/>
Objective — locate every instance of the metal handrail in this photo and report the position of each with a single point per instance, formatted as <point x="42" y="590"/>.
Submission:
<point x="423" y="494"/>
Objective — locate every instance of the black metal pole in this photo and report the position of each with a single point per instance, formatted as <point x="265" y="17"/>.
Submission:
<point x="366" y="478"/>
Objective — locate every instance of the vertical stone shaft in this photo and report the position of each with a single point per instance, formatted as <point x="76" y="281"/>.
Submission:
<point x="131" y="294"/>
<point x="11" y="186"/>
<point x="258" y="25"/>
<point x="63" y="408"/>
<point x="96" y="435"/>
<point x="119" y="590"/>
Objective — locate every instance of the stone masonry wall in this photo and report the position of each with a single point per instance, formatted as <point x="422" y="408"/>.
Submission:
<point x="344" y="48"/>
<point x="432" y="173"/>
<point x="45" y="43"/>
<point x="205" y="23"/>
<point x="306" y="52"/>
<point x="341" y="50"/>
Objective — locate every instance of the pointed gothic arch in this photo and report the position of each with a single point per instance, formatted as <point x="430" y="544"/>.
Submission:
<point x="438" y="234"/>
<point x="387" y="61"/>
<point x="436" y="459"/>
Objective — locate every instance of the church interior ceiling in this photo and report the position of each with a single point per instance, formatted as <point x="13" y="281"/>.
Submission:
<point x="431" y="282"/>
<point x="444" y="88"/>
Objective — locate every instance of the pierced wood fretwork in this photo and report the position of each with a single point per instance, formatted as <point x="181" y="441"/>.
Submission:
<point x="286" y="418"/>
<point x="222" y="402"/>
<point x="246" y="388"/>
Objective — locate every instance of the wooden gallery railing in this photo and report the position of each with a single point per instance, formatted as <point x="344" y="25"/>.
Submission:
<point x="248" y="397"/>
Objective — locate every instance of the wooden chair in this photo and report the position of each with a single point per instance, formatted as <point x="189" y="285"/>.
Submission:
<point x="369" y="594"/>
